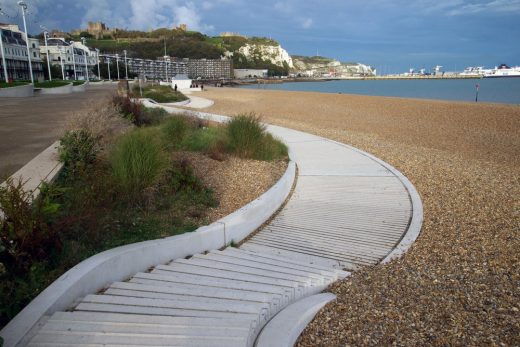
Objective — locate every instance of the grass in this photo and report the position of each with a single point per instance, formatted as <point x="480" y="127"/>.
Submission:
<point x="51" y="84"/>
<point x="248" y="139"/>
<point x="13" y="84"/>
<point x="78" y="83"/>
<point x="162" y="94"/>
<point x="137" y="161"/>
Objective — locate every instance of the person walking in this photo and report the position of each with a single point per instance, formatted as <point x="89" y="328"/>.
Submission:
<point x="175" y="88"/>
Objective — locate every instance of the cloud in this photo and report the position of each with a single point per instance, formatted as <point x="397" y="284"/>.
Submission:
<point x="307" y="23"/>
<point x="496" y="6"/>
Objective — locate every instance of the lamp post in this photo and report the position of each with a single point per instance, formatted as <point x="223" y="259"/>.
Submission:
<point x="3" y="54"/>
<point x="98" y="70"/>
<point x="117" y="63"/>
<point x="62" y="50"/>
<point x="74" y="60"/>
<point x="83" y="40"/>
<point x="126" y="65"/>
<point x="23" y="5"/>
<point x="108" y="65"/>
<point x="45" y="35"/>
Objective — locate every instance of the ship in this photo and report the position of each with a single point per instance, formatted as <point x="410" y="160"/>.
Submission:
<point x="503" y="71"/>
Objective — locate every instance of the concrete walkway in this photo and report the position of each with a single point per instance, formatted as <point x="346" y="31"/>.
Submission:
<point x="29" y="125"/>
<point x="198" y="102"/>
<point x="348" y="210"/>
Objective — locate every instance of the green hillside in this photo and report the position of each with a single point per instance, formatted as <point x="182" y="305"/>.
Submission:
<point x="184" y="44"/>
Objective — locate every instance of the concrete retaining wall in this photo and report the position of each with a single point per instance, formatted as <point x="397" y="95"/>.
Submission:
<point x="58" y="90"/>
<point x="17" y="92"/>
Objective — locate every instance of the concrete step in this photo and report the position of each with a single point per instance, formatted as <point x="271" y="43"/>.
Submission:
<point x="265" y="256"/>
<point x="215" y="263"/>
<point x="101" y="338"/>
<point x="313" y="259"/>
<point x="174" y="297"/>
<point x="223" y="274"/>
<point x="171" y="278"/>
<point x="279" y="268"/>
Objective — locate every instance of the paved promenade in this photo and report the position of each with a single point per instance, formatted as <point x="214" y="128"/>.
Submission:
<point x="30" y="125"/>
<point x="348" y="210"/>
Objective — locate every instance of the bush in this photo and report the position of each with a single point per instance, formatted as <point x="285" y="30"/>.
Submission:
<point x="212" y="141"/>
<point x="248" y="139"/>
<point x="25" y="236"/>
<point x="78" y="151"/>
<point x="175" y="131"/>
<point x="137" y="113"/>
<point x="102" y="120"/>
<point x="137" y="161"/>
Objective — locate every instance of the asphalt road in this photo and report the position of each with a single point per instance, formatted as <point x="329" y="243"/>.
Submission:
<point x="30" y="125"/>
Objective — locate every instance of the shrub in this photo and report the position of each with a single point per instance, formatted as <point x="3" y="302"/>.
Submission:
<point x="248" y="139"/>
<point x="137" y="113"/>
<point x="163" y="94"/>
<point x="25" y="236"/>
<point x="103" y="120"/>
<point x="212" y="141"/>
<point x="175" y="131"/>
<point x="78" y="151"/>
<point x="137" y="161"/>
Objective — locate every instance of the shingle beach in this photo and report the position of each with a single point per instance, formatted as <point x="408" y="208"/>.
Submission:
<point x="459" y="284"/>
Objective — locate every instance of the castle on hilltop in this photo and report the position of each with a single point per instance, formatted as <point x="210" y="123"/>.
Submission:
<point x="96" y="29"/>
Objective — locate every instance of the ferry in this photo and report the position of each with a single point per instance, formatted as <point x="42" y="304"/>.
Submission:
<point x="503" y="71"/>
<point x="477" y="71"/>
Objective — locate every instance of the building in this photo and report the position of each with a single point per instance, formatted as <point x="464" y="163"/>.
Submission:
<point x="165" y="68"/>
<point x="97" y="29"/>
<point x="183" y="27"/>
<point x="250" y="73"/>
<point x="15" y="51"/>
<point x="209" y="69"/>
<point x="71" y="57"/>
<point x="59" y="34"/>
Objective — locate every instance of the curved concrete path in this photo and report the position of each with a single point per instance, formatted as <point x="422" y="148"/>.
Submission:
<point x="348" y="209"/>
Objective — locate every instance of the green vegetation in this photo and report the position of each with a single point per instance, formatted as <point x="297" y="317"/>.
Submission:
<point x="13" y="84"/>
<point x="161" y="94"/>
<point x="51" y="84"/>
<point x="248" y="139"/>
<point x="119" y="185"/>
<point x="137" y="161"/>
<point x="78" y="83"/>
<point x="184" y="44"/>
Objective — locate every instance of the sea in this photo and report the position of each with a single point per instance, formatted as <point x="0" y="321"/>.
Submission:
<point x="495" y="90"/>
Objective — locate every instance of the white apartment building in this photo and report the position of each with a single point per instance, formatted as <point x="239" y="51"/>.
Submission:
<point x="71" y="57"/>
<point x="15" y="51"/>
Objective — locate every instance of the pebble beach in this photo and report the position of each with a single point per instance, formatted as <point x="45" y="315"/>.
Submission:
<point x="459" y="284"/>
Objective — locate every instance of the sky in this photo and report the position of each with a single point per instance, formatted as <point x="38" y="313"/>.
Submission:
<point x="392" y="36"/>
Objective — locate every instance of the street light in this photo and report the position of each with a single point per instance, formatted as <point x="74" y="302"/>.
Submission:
<point x="45" y="35"/>
<point x="3" y="54"/>
<point x="74" y="60"/>
<point x="83" y="40"/>
<point x="98" y="70"/>
<point x="117" y="62"/>
<point x="23" y="5"/>
<point x="108" y="63"/>
<point x="126" y="66"/>
<point x="62" y="50"/>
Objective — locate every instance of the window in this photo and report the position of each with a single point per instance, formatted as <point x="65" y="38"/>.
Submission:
<point x="34" y="54"/>
<point x="34" y="45"/>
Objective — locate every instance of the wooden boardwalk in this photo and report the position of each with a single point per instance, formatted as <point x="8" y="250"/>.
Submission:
<point x="347" y="210"/>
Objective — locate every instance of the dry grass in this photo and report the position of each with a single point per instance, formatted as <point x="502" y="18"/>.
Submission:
<point x="459" y="284"/>
<point x="102" y="119"/>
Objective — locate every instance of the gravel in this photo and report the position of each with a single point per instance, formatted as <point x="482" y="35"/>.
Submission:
<point x="235" y="182"/>
<point x="459" y="284"/>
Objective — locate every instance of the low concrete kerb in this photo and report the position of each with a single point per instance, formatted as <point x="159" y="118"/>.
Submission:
<point x="80" y="88"/>
<point x="17" y="92"/>
<point x="285" y="328"/>
<point x="117" y="264"/>
<point x="66" y="89"/>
